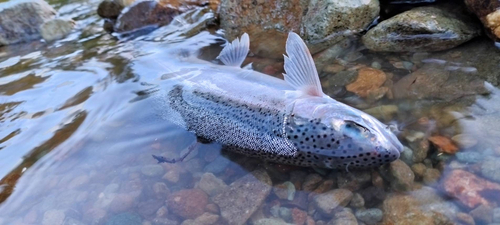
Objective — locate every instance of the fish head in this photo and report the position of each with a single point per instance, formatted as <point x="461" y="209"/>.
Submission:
<point x="341" y="136"/>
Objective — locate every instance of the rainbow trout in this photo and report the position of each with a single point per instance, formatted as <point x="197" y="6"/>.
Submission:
<point x="288" y="121"/>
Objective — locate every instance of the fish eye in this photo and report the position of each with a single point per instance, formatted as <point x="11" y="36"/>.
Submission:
<point x="350" y="123"/>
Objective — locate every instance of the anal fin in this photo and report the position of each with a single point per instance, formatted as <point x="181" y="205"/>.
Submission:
<point x="233" y="54"/>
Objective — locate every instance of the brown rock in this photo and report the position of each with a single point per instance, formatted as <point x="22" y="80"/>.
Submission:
<point x="444" y="144"/>
<point x="145" y="13"/>
<point x="311" y="182"/>
<point x="436" y="83"/>
<point x="470" y="189"/>
<point x="414" y="209"/>
<point x="327" y="202"/>
<point x="431" y="176"/>
<point x="299" y="217"/>
<point x="268" y="22"/>
<point x="188" y="204"/>
<point x="243" y="197"/>
<point x="109" y="9"/>
<point x="369" y="79"/>
<point x="488" y="11"/>
<point x="399" y="175"/>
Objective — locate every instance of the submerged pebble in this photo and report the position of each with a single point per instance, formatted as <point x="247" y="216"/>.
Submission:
<point x="369" y="216"/>
<point x="327" y="202"/>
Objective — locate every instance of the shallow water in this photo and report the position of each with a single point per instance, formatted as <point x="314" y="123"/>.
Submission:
<point x="81" y="117"/>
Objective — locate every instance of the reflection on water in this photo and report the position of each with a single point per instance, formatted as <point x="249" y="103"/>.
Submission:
<point x="81" y="117"/>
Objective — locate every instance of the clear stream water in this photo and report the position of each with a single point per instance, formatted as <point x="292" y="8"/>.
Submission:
<point x="81" y="117"/>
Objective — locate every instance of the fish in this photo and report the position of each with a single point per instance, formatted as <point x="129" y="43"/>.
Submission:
<point x="287" y="121"/>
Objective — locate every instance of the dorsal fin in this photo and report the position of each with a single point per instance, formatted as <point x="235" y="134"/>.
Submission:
<point x="299" y="67"/>
<point x="233" y="54"/>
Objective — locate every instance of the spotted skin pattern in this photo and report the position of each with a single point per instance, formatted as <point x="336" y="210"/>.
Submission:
<point x="266" y="133"/>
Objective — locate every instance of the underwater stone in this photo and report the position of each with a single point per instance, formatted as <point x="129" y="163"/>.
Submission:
<point x="370" y="216"/>
<point x="328" y="201"/>
<point x="211" y="184"/>
<point x="125" y="219"/>
<point x="243" y="197"/>
<point x="152" y="170"/>
<point x="188" y="203"/>
<point x="490" y="168"/>
<point x="469" y="157"/>
<point x="57" y="28"/>
<point x="285" y="190"/>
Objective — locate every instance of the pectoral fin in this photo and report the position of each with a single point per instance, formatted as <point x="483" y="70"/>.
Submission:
<point x="233" y="54"/>
<point x="300" y="71"/>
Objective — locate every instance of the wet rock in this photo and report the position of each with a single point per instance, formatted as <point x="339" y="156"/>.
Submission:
<point x="285" y="190"/>
<point x="470" y="189"/>
<point x="243" y="197"/>
<point x="423" y="206"/>
<point x="218" y="165"/>
<point x="109" y="9"/>
<point x="496" y="215"/>
<point x="443" y="29"/>
<point x="368" y="80"/>
<point x="152" y="170"/>
<point x="464" y="140"/>
<point x="354" y="180"/>
<point x="162" y="212"/>
<point x="437" y="83"/>
<point x="490" y="168"/>
<point x="20" y="21"/>
<point x="482" y="214"/>
<point x="270" y="221"/>
<point x="418" y="169"/>
<point x="299" y="217"/>
<point x="357" y="201"/>
<point x="160" y="190"/>
<point x="444" y="144"/>
<point x="407" y="155"/>
<point x="145" y="13"/>
<point x="420" y="148"/>
<point x="431" y="176"/>
<point x="328" y="201"/>
<point x="285" y="213"/>
<point x="469" y="157"/>
<point x="211" y="184"/>
<point x="78" y="181"/>
<point x="297" y="178"/>
<point x="149" y="208"/>
<point x="399" y="175"/>
<point x="94" y="216"/>
<point x="370" y="216"/>
<point x="205" y="219"/>
<point x="268" y="23"/>
<point x="188" y="203"/>
<point x="57" y="28"/>
<point x="311" y="182"/>
<point x="465" y="218"/>
<point x="164" y="221"/>
<point x="383" y="112"/>
<point x="53" y="217"/>
<point x="125" y="219"/>
<point x="377" y="180"/>
<point x="73" y="221"/>
<point x="489" y="14"/>
<point x="343" y="217"/>
<point x="121" y="203"/>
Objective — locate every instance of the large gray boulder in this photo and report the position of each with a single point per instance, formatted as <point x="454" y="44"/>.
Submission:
<point x="20" y="20"/>
<point x="421" y="29"/>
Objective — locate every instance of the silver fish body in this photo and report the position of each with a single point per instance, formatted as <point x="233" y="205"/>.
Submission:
<point x="262" y="116"/>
